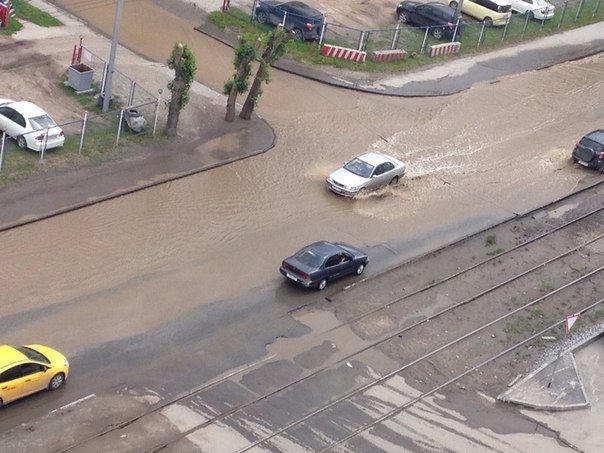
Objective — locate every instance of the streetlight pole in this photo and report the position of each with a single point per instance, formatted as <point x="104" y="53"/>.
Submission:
<point x="114" y="42"/>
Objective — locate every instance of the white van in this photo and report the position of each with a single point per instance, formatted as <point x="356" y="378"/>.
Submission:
<point x="491" y="12"/>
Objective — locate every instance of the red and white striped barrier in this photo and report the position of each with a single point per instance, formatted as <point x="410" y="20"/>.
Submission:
<point x="388" y="55"/>
<point x="444" y="48"/>
<point x="343" y="52"/>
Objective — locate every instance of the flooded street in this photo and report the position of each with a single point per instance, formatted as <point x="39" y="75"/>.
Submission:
<point x="163" y="290"/>
<point x="473" y="158"/>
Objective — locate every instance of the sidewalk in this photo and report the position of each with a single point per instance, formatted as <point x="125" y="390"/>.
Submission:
<point x="451" y="76"/>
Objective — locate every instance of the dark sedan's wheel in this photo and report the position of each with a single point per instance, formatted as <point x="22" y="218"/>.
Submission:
<point x="453" y="5"/>
<point x="438" y="33"/>
<point x="262" y="17"/>
<point x="488" y="22"/>
<point x="57" y="381"/>
<point x="298" y="36"/>
<point x="322" y="284"/>
<point x="393" y="181"/>
<point x="361" y="268"/>
<point x="403" y="17"/>
<point x="21" y="142"/>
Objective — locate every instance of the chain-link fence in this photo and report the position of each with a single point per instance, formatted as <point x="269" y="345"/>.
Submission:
<point x="133" y="110"/>
<point x="529" y="24"/>
<point x="474" y="33"/>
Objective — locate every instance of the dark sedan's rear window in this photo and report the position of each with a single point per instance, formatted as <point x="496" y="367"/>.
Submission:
<point x="309" y="258"/>
<point x="589" y="143"/>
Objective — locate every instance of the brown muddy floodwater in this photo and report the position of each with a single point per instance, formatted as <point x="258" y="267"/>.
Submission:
<point x="494" y="150"/>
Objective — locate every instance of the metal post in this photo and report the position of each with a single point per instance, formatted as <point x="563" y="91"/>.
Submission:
<point x="563" y="12"/>
<point x="83" y="131"/>
<point x="104" y="81"/>
<point x="395" y="37"/>
<point x="455" y="32"/>
<point x="43" y="149"/>
<point x="364" y="41"/>
<point x="2" y="149"/>
<point x="131" y="94"/>
<point x="360" y="42"/>
<point x="481" y="34"/>
<point x="119" y="127"/>
<point x="553" y="373"/>
<point x="158" y="103"/>
<point x="284" y="18"/>
<point x="253" y="16"/>
<point x="596" y="8"/>
<point x="323" y="28"/>
<point x="544" y="16"/>
<point x="114" y="41"/>
<point x="421" y="50"/>
<point x="526" y="21"/>
<point x="505" y="29"/>
<point x="579" y="10"/>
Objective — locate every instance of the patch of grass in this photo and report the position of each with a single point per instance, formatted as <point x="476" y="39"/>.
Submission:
<point x="497" y="251"/>
<point x="30" y="13"/>
<point x="25" y="11"/>
<point x="490" y="240"/>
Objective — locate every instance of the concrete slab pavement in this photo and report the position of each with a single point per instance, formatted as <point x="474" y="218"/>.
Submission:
<point x="557" y="384"/>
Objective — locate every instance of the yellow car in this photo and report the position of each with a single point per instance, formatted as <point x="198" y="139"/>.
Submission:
<point x="492" y="12"/>
<point x="28" y="369"/>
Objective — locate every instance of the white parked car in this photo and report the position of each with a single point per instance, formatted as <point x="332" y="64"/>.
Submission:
<point x="537" y="9"/>
<point x="367" y="172"/>
<point x="29" y="125"/>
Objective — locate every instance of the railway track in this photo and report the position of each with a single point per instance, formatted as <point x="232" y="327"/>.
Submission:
<point x="447" y="327"/>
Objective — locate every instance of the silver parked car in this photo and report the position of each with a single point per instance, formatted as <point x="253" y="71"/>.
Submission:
<point x="366" y="172"/>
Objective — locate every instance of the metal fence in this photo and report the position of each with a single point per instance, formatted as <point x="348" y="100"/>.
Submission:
<point x="133" y="110"/>
<point x="474" y="33"/>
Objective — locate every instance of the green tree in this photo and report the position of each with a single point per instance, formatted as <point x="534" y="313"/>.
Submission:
<point x="182" y="61"/>
<point x="274" y="48"/>
<point x="245" y="53"/>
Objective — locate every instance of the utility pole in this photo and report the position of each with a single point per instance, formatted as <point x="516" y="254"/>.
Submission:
<point x="114" y="41"/>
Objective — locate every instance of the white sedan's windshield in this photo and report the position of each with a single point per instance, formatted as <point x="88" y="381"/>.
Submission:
<point x="359" y="167"/>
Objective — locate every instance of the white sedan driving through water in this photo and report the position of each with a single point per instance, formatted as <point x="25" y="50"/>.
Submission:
<point x="367" y="172"/>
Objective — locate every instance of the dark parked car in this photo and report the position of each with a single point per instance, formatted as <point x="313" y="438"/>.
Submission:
<point x="441" y="18"/>
<point x="589" y="152"/>
<point x="303" y="21"/>
<point x="323" y="261"/>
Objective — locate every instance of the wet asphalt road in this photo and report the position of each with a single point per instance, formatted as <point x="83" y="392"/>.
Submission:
<point x="162" y="290"/>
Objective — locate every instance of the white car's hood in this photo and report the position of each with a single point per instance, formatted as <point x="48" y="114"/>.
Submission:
<point x="346" y="178"/>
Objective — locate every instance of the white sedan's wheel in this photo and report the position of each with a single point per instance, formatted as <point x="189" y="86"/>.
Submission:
<point x="21" y="142"/>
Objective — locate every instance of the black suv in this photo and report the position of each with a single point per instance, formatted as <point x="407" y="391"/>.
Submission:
<point x="589" y="152"/>
<point x="300" y="19"/>
<point x="441" y="19"/>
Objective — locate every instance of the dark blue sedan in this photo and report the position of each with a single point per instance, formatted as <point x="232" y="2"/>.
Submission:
<point x="303" y="21"/>
<point x="320" y="262"/>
